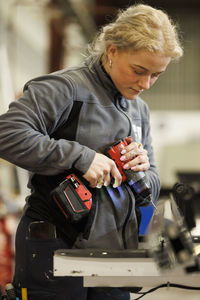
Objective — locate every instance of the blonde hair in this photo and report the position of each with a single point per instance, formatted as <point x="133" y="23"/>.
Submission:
<point x="136" y="28"/>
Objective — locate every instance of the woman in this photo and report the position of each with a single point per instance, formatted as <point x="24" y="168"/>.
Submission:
<point x="63" y="124"/>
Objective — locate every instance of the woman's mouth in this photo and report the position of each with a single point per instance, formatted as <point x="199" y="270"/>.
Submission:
<point x="135" y="91"/>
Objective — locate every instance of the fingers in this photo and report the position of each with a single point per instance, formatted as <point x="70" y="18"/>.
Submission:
<point x="103" y="180"/>
<point x="100" y="182"/>
<point x="107" y="179"/>
<point x="135" y="157"/>
<point x="131" y="151"/>
<point x="140" y="167"/>
<point x="101" y="170"/>
<point x="116" y="175"/>
<point x="117" y="182"/>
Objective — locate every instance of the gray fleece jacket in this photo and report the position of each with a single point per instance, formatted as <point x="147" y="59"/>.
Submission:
<point x="55" y="127"/>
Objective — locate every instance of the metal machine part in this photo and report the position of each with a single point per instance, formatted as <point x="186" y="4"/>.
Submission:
<point x="170" y="242"/>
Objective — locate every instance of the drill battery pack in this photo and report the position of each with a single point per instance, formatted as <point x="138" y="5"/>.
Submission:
<point x="73" y="198"/>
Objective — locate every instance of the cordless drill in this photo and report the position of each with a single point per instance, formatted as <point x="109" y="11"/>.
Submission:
<point x="137" y="180"/>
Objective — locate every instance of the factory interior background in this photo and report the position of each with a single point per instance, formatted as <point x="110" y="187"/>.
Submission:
<point x="42" y="36"/>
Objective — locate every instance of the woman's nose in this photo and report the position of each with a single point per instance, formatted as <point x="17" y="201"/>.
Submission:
<point x="145" y="82"/>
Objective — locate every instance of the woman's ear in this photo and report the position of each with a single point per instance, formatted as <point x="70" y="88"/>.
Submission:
<point x="111" y="51"/>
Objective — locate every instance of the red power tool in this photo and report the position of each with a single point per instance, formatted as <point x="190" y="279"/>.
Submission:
<point x="137" y="180"/>
<point x="73" y="198"/>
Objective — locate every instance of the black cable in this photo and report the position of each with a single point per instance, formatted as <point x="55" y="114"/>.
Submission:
<point x="168" y="284"/>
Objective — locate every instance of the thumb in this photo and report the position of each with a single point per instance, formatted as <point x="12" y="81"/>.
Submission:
<point x="117" y="177"/>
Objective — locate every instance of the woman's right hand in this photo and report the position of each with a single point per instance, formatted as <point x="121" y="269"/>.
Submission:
<point x="101" y="171"/>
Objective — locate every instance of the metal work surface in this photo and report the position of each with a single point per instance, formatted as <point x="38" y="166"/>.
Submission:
<point x="118" y="268"/>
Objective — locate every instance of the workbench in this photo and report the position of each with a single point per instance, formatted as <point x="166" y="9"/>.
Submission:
<point x="116" y="268"/>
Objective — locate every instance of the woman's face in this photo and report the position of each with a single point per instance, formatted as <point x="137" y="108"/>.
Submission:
<point x="134" y="72"/>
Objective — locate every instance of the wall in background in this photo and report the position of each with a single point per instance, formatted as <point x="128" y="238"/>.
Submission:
<point x="176" y="142"/>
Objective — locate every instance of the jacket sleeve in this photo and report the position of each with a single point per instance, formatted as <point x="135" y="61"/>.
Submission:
<point x="26" y="127"/>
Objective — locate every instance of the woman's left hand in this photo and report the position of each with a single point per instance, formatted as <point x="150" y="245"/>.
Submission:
<point x="134" y="156"/>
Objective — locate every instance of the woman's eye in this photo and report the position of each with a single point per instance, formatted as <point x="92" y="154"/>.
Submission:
<point x="139" y="72"/>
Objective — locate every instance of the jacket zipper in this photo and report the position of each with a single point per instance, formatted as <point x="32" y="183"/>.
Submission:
<point x="117" y="105"/>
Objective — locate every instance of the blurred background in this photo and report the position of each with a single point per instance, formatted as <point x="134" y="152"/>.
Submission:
<point x="42" y="36"/>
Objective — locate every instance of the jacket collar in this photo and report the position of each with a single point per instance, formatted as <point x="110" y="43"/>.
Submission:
<point x="102" y="77"/>
<point x="105" y="80"/>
